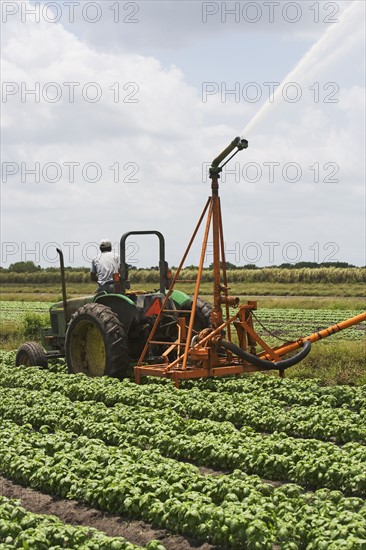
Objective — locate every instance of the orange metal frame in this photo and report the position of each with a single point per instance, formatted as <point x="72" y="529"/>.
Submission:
<point x="202" y="356"/>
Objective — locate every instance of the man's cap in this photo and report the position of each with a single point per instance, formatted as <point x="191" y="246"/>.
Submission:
<point x="105" y="243"/>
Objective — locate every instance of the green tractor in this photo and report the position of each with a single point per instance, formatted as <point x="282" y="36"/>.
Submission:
<point x="104" y="334"/>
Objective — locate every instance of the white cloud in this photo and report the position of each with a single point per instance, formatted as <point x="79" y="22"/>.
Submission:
<point x="158" y="24"/>
<point x="167" y="135"/>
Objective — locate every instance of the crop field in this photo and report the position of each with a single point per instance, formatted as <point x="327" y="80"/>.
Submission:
<point x="255" y="462"/>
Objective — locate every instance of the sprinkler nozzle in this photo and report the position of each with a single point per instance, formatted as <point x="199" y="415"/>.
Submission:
<point x="243" y="144"/>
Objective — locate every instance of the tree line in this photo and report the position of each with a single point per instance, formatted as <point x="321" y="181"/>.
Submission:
<point x="31" y="267"/>
<point x="322" y="274"/>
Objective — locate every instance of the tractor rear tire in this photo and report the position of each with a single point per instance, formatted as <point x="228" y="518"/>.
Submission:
<point x="31" y="354"/>
<point x="203" y="314"/>
<point x="96" y="343"/>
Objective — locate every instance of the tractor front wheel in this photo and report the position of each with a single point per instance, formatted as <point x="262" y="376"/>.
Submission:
<point x="96" y="343"/>
<point x="31" y="354"/>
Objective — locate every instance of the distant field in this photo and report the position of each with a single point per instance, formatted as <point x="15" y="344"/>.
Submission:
<point x="349" y="296"/>
<point x="281" y="323"/>
<point x="15" y="310"/>
<point x="304" y="275"/>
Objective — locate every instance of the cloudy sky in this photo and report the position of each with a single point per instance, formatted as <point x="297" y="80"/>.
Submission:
<point x="113" y="110"/>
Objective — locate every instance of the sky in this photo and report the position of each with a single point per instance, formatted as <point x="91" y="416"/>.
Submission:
<point x="112" y="111"/>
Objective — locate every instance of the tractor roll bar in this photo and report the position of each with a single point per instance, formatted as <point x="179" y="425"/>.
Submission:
<point x="163" y="266"/>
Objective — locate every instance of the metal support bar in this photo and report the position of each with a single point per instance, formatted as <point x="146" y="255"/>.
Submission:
<point x="198" y="284"/>
<point x="157" y="320"/>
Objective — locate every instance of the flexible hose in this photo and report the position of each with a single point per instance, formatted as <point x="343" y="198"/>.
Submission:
<point x="263" y="363"/>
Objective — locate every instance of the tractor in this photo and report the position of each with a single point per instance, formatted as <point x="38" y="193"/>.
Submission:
<point x="103" y="334"/>
<point x="168" y="333"/>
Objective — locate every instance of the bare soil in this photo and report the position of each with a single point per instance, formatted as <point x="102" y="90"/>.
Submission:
<point x="74" y="513"/>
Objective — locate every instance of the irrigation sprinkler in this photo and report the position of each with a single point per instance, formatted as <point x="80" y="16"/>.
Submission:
<point x="212" y="351"/>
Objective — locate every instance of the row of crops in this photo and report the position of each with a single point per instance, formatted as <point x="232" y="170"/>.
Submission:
<point x="214" y="444"/>
<point x="20" y="528"/>
<point x="281" y="323"/>
<point x="253" y="462"/>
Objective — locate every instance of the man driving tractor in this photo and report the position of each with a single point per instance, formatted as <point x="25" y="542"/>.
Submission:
<point x="104" y="266"/>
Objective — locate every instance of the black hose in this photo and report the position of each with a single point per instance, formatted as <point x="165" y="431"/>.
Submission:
<point x="263" y="363"/>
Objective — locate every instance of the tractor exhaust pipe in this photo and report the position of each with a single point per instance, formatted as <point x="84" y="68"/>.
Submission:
<point x="63" y="283"/>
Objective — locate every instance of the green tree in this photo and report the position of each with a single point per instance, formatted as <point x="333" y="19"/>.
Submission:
<point x="24" y="267"/>
<point x="229" y="265"/>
